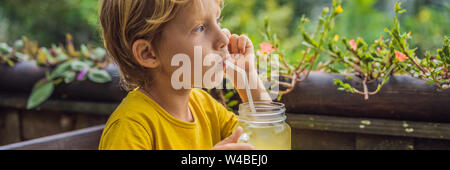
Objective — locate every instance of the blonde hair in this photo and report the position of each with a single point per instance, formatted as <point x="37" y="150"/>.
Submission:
<point x="125" y="21"/>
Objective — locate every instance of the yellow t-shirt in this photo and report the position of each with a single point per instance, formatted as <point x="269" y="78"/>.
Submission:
<point x="139" y="123"/>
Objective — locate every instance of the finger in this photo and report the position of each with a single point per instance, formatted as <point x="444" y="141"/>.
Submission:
<point x="234" y="137"/>
<point x="237" y="134"/>
<point x="249" y="48"/>
<point x="234" y="42"/>
<point x="227" y="32"/>
<point x="242" y="43"/>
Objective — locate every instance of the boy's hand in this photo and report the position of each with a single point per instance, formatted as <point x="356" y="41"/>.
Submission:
<point x="243" y="55"/>
<point x="230" y="143"/>
<point x="241" y="50"/>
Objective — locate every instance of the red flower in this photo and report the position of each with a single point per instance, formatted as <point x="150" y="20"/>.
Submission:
<point x="400" y="56"/>
<point x="353" y="45"/>
<point x="266" y="48"/>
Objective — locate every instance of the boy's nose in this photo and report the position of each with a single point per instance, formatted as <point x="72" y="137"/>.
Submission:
<point x="222" y="41"/>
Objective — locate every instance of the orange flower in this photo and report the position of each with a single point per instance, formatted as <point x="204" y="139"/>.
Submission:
<point x="400" y="56"/>
<point x="266" y="48"/>
<point x="339" y="9"/>
<point x="353" y="45"/>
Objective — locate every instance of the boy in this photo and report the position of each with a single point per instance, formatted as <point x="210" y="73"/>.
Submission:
<point x="144" y="37"/>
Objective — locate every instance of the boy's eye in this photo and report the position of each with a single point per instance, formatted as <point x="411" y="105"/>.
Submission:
<point x="200" y="28"/>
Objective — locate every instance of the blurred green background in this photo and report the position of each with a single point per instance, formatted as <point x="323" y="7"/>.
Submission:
<point x="47" y="21"/>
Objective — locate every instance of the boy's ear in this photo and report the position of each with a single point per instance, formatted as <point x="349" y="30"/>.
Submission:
<point x="145" y="54"/>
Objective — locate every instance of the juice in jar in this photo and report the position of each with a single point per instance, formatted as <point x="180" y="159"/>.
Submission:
<point x="267" y="128"/>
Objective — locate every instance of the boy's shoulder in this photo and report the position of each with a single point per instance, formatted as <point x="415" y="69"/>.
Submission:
<point x="207" y="102"/>
<point x="134" y="107"/>
<point x="196" y="92"/>
<point x="201" y="96"/>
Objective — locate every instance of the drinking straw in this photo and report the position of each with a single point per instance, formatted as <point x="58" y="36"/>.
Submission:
<point x="247" y="87"/>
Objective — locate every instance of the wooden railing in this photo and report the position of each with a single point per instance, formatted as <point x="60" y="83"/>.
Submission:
<point x="84" y="139"/>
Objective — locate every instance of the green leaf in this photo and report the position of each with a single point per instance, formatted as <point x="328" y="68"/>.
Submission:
<point x="387" y="74"/>
<point x="338" y="82"/>
<point x="61" y="69"/>
<point x="308" y="39"/>
<point x="332" y="69"/>
<point x="402" y="11"/>
<point x="69" y="76"/>
<point x="232" y="103"/>
<point x="41" y="92"/>
<point x="343" y="86"/>
<point x="267" y="30"/>
<point x="78" y="65"/>
<point x="429" y="82"/>
<point x="19" y="44"/>
<point x="90" y="63"/>
<point x="347" y="86"/>
<point x="21" y="56"/>
<point x="99" y="76"/>
<point x="61" y="56"/>
<point x="99" y="53"/>
<point x="47" y="75"/>
<point x="47" y="54"/>
<point x="349" y="77"/>
<point x="229" y="95"/>
<point x="387" y="30"/>
<point x="5" y="49"/>
<point x="85" y="50"/>
<point x="39" y="84"/>
<point x="10" y="62"/>
<point x="367" y="58"/>
<point x="58" y="81"/>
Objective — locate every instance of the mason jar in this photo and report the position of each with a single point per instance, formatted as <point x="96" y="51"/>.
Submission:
<point x="265" y="129"/>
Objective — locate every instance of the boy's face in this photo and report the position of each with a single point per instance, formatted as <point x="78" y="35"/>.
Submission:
<point x="196" y="25"/>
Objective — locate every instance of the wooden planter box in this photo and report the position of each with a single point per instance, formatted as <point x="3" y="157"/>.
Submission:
<point x="402" y="98"/>
<point x="406" y="114"/>
<point x="22" y="77"/>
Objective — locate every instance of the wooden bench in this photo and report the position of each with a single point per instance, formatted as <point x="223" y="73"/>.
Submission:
<point x="84" y="139"/>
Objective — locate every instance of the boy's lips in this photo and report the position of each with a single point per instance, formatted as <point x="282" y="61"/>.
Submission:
<point x="225" y="56"/>
<point x="223" y="61"/>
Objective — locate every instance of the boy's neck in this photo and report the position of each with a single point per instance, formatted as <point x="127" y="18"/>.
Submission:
<point x="175" y="102"/>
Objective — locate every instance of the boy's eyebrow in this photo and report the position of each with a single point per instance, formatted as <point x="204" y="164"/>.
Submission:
<point x="192" y="21"/>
